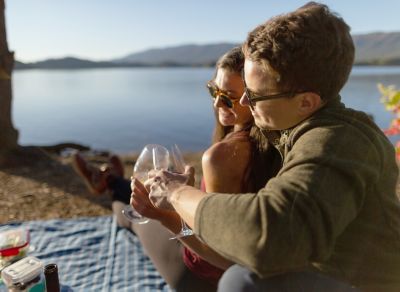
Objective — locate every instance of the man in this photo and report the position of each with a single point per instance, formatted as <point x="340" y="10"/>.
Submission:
<point x="330" y="219"/>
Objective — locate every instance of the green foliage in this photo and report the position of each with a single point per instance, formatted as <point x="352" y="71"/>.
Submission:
<point x="391" y="99"/>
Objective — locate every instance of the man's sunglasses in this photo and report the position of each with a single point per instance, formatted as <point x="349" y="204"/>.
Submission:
<point x="253" y="98"/>
<point x="224" y="97"/>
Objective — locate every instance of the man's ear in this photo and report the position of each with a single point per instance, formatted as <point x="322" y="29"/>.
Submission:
<point x="309" y="103"/>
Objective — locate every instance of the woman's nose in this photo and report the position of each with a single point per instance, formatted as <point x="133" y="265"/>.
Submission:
<point x="218" y="102"/>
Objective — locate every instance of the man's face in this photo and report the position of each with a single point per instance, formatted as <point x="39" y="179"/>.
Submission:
<point x="275" y="114"/>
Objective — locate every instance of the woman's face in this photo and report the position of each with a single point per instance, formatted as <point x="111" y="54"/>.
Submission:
<point x="231" y="83"/>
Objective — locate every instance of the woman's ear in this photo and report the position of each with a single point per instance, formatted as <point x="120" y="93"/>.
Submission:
<point x="309" y="103"/>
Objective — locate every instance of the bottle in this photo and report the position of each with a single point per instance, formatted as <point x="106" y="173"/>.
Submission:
<point x="51" y="276"/>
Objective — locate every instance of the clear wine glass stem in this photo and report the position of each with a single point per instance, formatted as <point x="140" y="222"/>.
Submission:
<point x="184" y="225"/>
<point x="185" y="231"/>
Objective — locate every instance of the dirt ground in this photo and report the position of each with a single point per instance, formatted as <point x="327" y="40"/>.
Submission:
<point x="37" y="184"/>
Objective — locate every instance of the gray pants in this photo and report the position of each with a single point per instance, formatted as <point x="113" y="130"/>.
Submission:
<point x="237" y="278"/>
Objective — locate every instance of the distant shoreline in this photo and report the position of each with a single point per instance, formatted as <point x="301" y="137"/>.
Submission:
<point x="113" y="66"/>
<point x="372" y="49"/>
<point x="77" y="64"/>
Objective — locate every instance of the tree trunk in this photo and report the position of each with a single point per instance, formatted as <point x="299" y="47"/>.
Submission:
<point x="8" y="135"/>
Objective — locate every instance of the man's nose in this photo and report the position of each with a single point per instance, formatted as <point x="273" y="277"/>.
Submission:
<point x="244" y="100"/>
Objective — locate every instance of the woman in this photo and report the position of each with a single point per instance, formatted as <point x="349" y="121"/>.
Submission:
<point x="235" y="163"/>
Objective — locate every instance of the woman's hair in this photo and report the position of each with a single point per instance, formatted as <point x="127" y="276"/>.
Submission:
<point x="308" y="49"/>
<point x="265" y="159"/>
<point x="232" y="61"/>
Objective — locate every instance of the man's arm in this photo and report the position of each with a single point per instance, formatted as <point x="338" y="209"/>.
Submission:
<point x="297" y="218"/>
<point x="171" y="220"/>
<point x="185" y="201"/>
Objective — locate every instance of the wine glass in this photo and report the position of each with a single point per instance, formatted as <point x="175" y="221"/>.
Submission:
<point x="179" y="166"/>
<point x="153" y="156"/>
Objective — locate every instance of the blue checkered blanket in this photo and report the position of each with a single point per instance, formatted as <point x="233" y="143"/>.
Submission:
<point x="93" y="254"/>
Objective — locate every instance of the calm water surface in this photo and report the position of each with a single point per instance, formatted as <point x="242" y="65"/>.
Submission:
<point x="124" y="109"/>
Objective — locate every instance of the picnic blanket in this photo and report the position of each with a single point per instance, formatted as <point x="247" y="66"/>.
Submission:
<point x="92" y="254"/>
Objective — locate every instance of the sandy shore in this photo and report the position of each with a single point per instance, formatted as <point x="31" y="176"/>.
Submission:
<point x="38" y="184"/>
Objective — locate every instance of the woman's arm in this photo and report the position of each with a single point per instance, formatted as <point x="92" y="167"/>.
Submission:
<point x="173" y="223"/>
<point x="171" y="220"/>
<point x="224" y="167"/>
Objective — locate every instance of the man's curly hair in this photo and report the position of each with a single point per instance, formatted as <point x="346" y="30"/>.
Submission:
<point x="308" y="49"/>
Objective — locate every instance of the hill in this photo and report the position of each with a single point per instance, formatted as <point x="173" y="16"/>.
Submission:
<point x="64" y="63"/>
<point x="191" y="55"/>
<point x="378" y="48"/>
<point x="20" y="65"/>
<point x="374" y="48"/>
<point x="371" y="49"/>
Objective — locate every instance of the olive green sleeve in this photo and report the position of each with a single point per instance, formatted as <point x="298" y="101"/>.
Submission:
<point x="297" y="217"/>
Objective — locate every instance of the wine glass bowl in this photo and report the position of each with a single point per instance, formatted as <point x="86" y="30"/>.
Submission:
<point x="179" y="166"/>
<point x="132" y="215"/>
<point x="152" y="156"/>
<point x="156" y="157"/>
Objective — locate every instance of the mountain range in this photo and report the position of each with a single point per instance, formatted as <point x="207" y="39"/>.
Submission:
<point x="378" y="48"/>
<point x="371" y="49"/>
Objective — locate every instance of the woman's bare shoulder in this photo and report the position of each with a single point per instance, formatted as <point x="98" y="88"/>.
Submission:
<point x="227" y="153"/>
<point x="224" y="165"/>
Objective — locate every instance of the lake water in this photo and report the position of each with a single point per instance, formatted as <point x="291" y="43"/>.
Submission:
<point x="124" y="109"/>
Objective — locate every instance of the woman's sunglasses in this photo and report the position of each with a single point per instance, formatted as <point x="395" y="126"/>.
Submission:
<point x="224" y="97"/>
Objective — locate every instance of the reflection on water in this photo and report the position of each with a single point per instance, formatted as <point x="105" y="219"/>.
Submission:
<point x="125" y="109"/>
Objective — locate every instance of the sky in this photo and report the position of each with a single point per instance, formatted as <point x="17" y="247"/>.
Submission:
<point x="108" y="29"/>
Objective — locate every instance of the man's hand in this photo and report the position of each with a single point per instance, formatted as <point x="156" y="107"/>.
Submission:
<point x="163" y="183"/>
<point x="141" y="202"/>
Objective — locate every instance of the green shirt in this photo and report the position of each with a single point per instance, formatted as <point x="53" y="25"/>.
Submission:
<point x="332" y="206"/>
